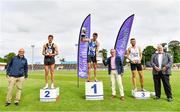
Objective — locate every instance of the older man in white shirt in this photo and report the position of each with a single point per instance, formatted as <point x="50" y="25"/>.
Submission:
<point x="161" y="63"/>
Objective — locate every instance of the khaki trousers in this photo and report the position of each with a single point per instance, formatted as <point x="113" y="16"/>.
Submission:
<point x="114" y="75"/>
<point x="18" y="82"/>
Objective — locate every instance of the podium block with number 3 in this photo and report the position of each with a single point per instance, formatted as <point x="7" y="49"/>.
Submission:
<point x="49" y="95"/>
<point x="141" y="94"/>
<point x="94" y="90"/>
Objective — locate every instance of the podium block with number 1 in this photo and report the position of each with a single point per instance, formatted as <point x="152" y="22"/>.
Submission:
<point x="94" y="90"/>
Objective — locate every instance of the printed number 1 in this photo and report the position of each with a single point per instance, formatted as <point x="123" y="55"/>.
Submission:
<point x="47" y="93"/>
<point x="95" y="88"/>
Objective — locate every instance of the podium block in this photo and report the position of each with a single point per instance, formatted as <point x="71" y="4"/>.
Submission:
<point x="94" y="90"/>
<point x="49" y="95"/>
<point x="141" y="94"/>
<point x="153" y="94"/>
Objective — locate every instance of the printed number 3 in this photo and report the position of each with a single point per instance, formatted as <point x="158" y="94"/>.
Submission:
<point x="143" y="94"/>
<point x="47" y="93"/>
<point x="95" y="88"/>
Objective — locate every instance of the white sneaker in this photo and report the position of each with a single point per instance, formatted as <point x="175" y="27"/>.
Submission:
<point x="52" y="86"/>
<point x="135" y="90"/>
<point x="143" y="90"/>
<point x="46" y="87"/>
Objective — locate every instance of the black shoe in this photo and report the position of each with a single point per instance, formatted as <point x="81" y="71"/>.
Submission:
<point x="156" y="98"/>
<point x="113" y="96"/>
<point x="17" y="103"/>
<point x="169" y="99"/>
<point x="122" y="98"/>
<point x="7" y="104"/>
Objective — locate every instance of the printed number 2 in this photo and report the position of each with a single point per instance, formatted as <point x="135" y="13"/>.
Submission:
<point x="95" y="88"/>
<point x="47" y="93"/>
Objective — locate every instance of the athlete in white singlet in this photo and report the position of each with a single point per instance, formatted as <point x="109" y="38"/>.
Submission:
<point x="134" y="54"/>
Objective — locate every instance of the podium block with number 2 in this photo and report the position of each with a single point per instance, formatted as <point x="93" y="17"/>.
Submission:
<point x="94" y="90"/>
<point x="49" y="95"/>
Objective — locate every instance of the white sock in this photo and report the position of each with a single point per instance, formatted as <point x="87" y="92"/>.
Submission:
<point x="52" y="85"/>
<point x="46" y="86"/>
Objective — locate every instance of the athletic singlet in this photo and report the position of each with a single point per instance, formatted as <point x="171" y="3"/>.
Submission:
<point x="50" y="48"/>
<point x="134" y="54"/>
<point x="92" y="48"/>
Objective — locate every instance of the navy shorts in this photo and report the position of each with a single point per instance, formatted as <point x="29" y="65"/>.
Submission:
<point x="137" y="67"/>
<point x="49" y="60"/>
<point x="91" y="59"/>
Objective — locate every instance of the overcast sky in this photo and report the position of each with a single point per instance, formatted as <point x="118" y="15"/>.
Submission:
<point x="27" y="22"/>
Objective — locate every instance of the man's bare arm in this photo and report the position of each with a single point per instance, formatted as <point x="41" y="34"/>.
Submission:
<point x="128" y="54"/>
<point x="140" y="53"/>
<point x="56" y="50"/>
<point x="44" y="50"/>
<point x="98" y="45"/>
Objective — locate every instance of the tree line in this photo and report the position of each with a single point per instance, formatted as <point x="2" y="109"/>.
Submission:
<point x="173" y="47"/>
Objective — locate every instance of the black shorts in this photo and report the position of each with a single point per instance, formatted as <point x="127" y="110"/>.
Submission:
<point x="49" y="60"/>
<point x="137" y="67"/>
<point x="91" y="59"/>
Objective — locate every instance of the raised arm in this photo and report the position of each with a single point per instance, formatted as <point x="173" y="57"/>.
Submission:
<point x="85" y="39"/>
<point x="106" y="62"/>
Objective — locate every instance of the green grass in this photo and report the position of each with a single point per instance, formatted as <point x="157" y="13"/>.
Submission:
<point x="73" y="98"/>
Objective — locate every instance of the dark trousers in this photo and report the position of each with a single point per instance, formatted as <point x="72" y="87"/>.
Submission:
<point x="166" y="84"/>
